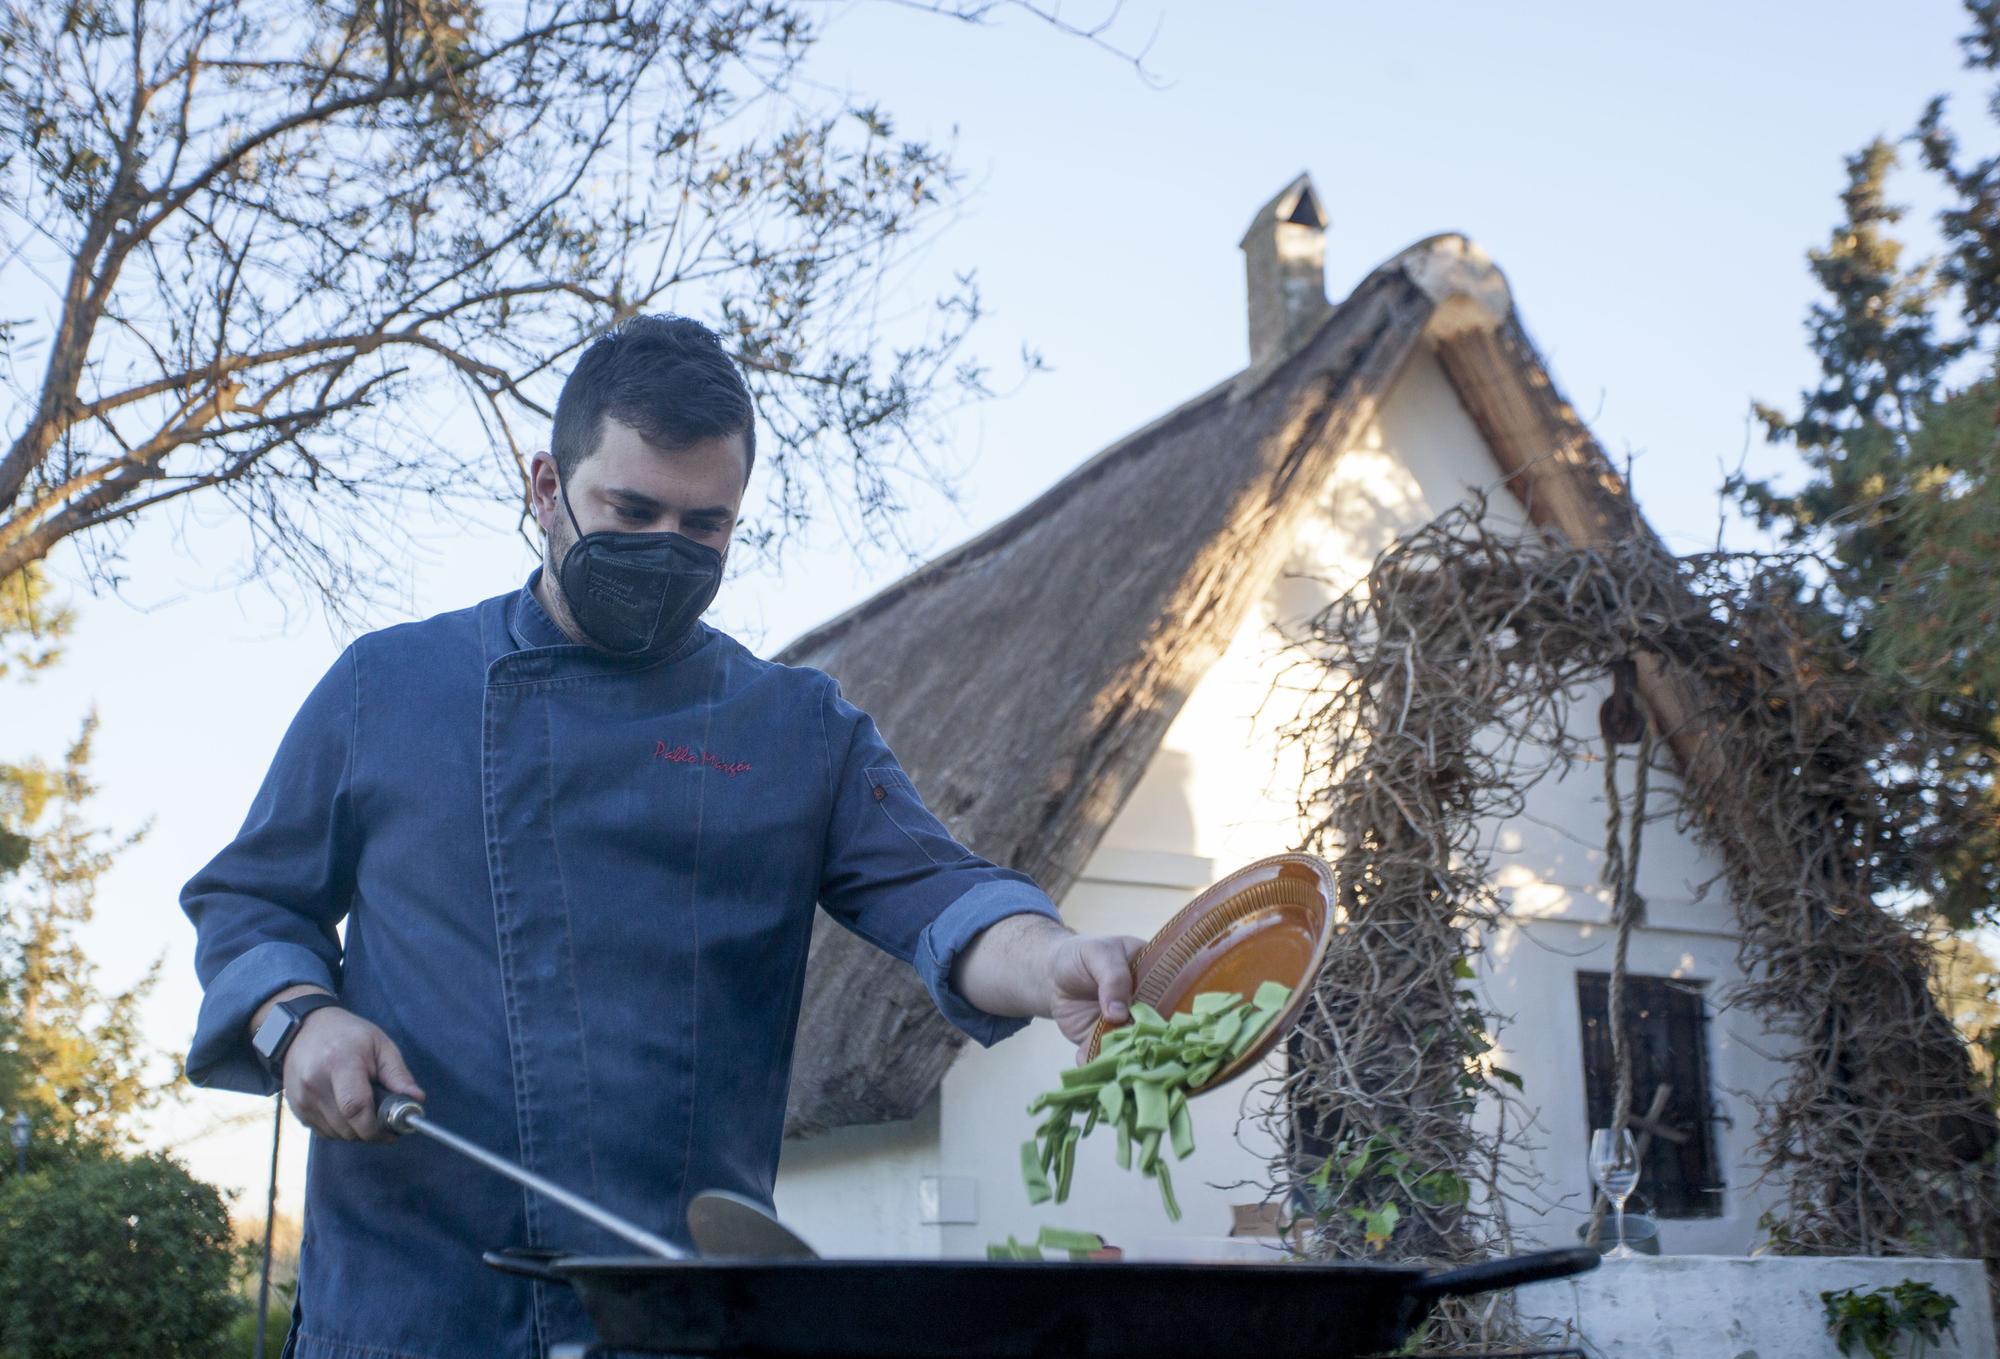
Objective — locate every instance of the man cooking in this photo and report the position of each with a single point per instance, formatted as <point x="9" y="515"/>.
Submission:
<point x="577" y="836"/>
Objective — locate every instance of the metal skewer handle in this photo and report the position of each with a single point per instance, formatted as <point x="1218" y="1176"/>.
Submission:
<point x="401" y="1114"/>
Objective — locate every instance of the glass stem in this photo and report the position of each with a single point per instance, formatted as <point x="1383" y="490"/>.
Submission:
<point x="1619" y="1204"/>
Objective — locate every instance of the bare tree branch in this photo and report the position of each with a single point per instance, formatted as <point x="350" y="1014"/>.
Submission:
<point x="270" y="230"/>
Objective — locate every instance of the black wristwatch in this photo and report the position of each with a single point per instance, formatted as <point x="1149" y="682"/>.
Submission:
<point x="274" y="1036"/>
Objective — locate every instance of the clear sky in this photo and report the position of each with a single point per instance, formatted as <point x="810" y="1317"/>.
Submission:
<point x="1648" y="178"/>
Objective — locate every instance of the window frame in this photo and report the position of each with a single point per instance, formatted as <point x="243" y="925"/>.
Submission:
<point x="1694" y="1172"/>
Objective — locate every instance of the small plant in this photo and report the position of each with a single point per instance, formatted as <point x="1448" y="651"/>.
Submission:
<point x="1778" y="1237"/>
<point x="1387" y="1170"/>
<point x="1877" y="1321"/>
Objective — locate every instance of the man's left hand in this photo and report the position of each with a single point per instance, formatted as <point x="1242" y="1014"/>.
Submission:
<point x="1092" y="976"/>
<point x="1031" y="965"/>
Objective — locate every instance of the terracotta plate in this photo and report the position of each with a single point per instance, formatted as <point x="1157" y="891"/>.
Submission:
<point x="1269" y="921"/>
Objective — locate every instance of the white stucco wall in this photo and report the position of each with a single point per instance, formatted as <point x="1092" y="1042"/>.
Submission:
<point x="858" y="1191"/>
<point x="1220" y="793"/>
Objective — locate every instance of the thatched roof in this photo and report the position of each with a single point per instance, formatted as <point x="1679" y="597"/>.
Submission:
<point x="1026" y="678"/>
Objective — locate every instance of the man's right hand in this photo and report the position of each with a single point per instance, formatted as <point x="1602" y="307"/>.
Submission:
<point x="332" y="1068"/>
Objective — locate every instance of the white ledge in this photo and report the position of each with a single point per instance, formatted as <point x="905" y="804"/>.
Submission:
<point x="1746" y="1307"/>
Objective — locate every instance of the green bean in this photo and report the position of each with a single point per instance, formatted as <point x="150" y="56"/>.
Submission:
<point x="1050" y="1138"/>
<point x="1150" y="1098"/>
<point x="1031" y="1171"/>
<point x="1252" y="1026"/>
<point x="1149" y="1151"/>
<point x="1076" y="1245"/>
<point x="1167" y="1192"/>
<point x="1090" y="1073"/>
<point x="1059" y="1238"/>
<point x="1139" y="1084"/>
<point x="1010" y="1249"/>
<point x="1180" y="1126"/>
<point x="1067" y="1162"/>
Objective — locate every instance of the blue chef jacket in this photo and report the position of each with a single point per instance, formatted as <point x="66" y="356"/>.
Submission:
<point x="577" y="892"/>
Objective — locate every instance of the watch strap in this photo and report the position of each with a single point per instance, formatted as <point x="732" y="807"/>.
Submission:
<point x="297" y="1008"/>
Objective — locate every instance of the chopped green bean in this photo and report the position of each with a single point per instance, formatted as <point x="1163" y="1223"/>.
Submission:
<point x="1252" y="1026"/>
<point x="1032" y="1171"/>
<point x="1139" y="1084"/>
<point x="1091" y="1072"/>
<point x="1150" y="1099"/>
<point x="1180" y="1125"/>
<point x="1149" y="1151"/>
<point x="1067" y="1162"/>
<point x="1166" y="1180"/>
<point x="1061" y="1238"/>
<point x="1076" y="1245"/>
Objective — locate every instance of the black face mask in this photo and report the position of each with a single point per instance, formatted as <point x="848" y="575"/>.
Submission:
<point x="636" y="594"/>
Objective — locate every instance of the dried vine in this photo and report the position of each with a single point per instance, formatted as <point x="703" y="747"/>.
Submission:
<point x="1435" y="695"/>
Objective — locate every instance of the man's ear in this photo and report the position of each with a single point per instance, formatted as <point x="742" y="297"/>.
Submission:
<point x="543" y="484"/>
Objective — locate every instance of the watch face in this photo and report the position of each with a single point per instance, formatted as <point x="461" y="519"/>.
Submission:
<point x="271" y="1032"/>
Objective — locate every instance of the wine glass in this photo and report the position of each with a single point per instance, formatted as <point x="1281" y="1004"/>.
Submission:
<point x="1614" y="1164"/>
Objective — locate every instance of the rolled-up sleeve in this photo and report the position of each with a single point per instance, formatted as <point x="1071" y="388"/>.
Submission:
<point x="267" y="908"/>
<point x="895" y="876"/>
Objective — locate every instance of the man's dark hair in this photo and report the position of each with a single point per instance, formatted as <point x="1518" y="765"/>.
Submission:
<point x="665" y="376"/>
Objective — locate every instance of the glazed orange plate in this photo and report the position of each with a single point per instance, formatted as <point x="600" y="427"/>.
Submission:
<point x="1269" y="921"/>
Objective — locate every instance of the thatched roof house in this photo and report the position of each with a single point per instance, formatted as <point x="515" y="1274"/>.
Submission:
<point x="1060" y="689"/>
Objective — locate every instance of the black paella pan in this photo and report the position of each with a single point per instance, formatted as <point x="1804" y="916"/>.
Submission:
<point x="1012" y="1309"/>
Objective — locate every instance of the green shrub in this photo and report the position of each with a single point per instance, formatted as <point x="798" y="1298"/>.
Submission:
<point x="240" y="1340"/>
<point x="1879" y="1321"/>
<point x="112" y="1256"/>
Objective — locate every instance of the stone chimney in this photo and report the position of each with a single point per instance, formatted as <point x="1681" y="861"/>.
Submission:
<point x="1284" y="252"/>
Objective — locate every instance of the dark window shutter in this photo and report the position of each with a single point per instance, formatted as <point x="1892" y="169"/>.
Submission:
<point x="1314" y="1132"/>
<point x="1667" y="1025"/>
